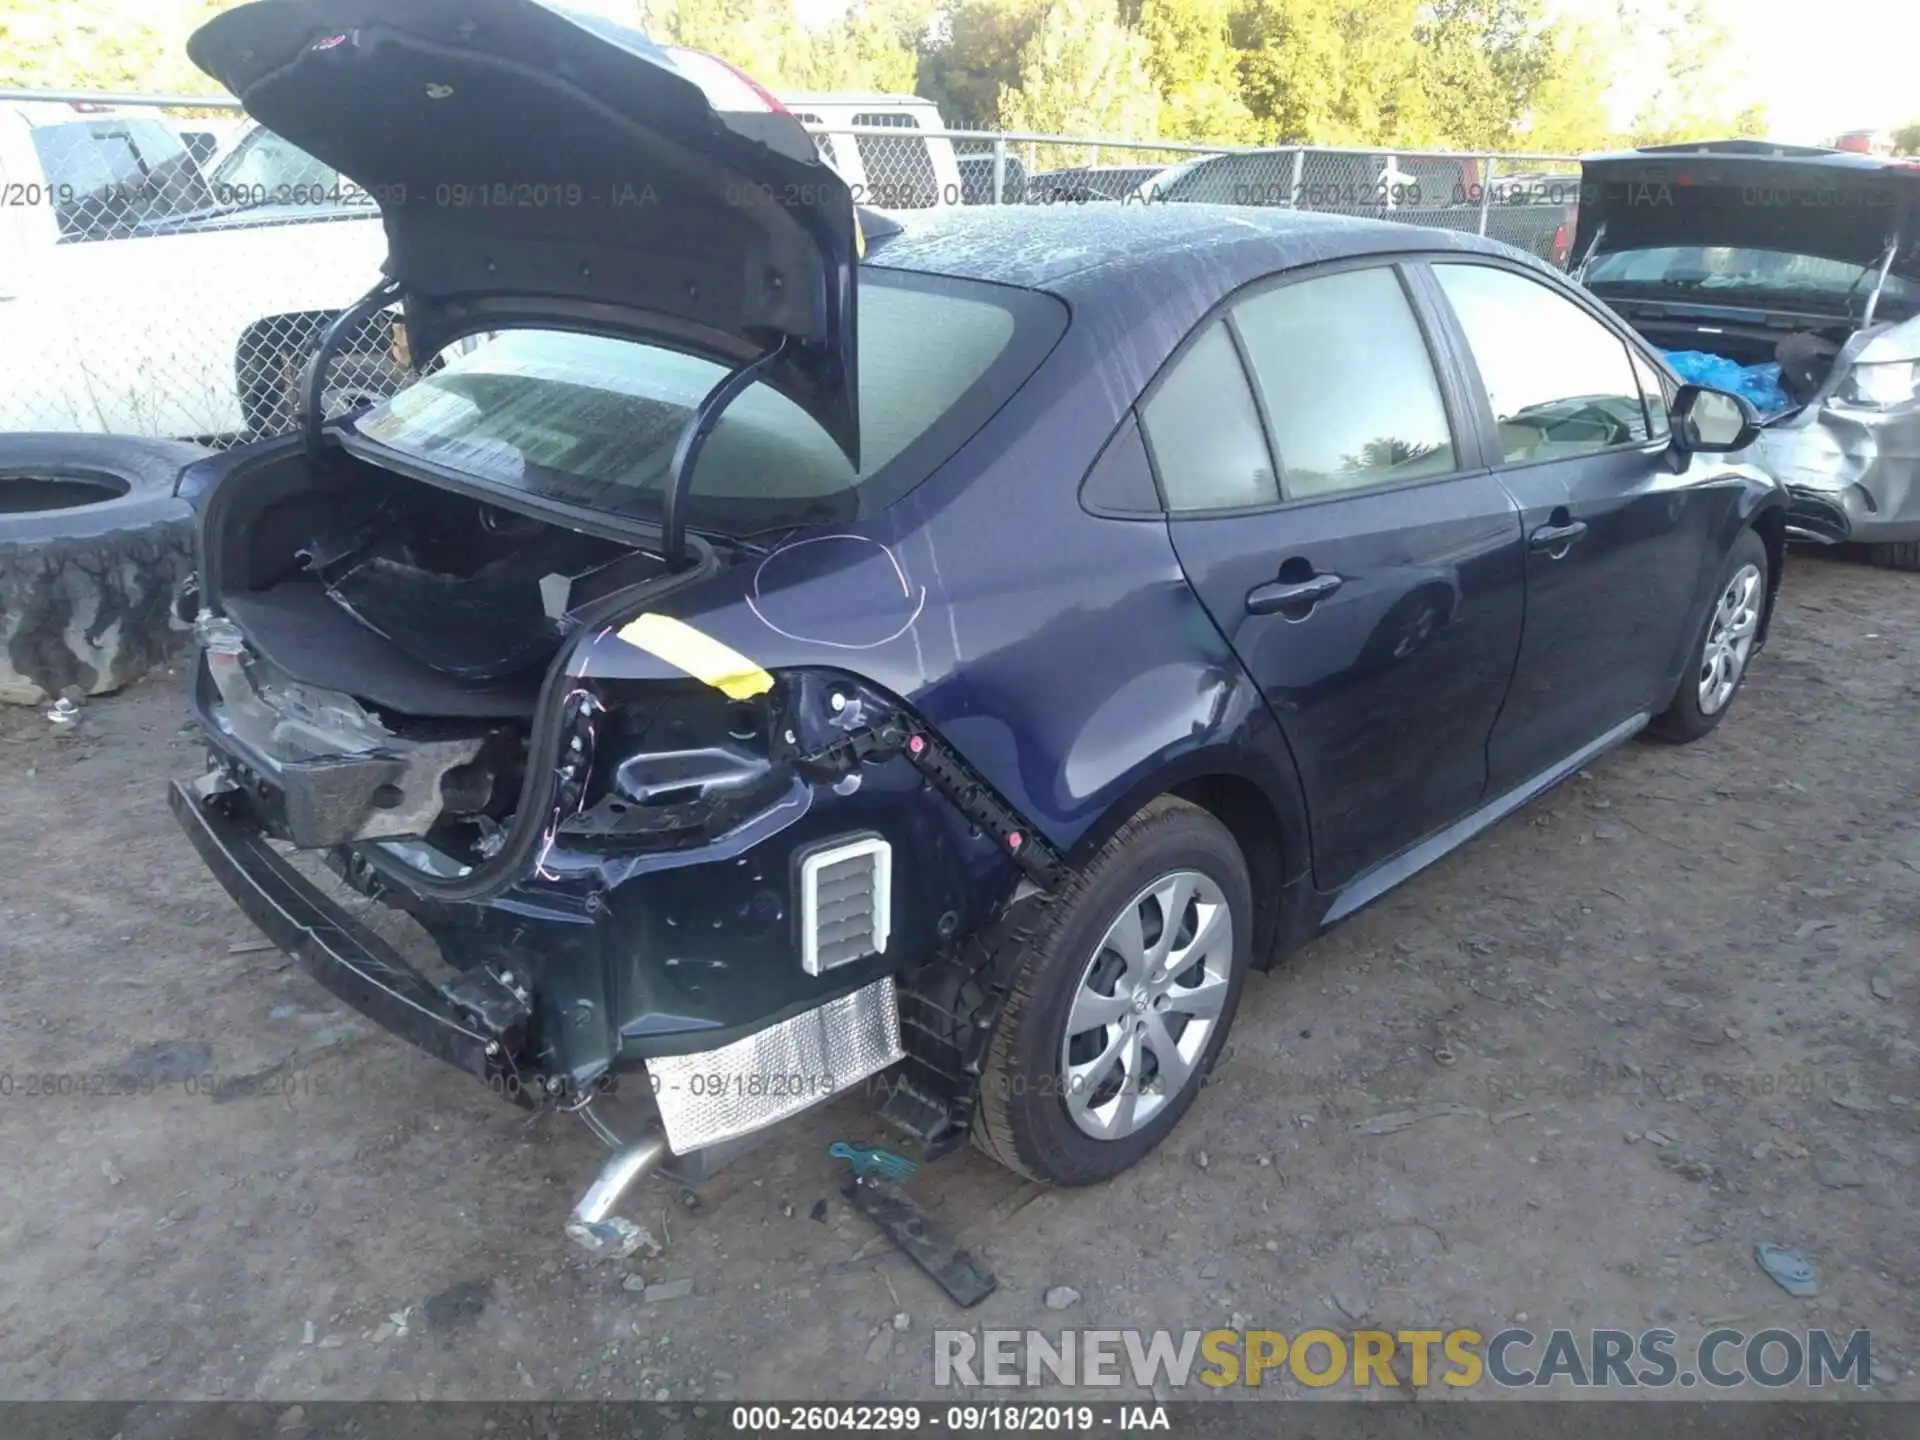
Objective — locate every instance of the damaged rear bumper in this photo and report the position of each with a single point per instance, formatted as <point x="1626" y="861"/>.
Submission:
<point x="478" y="1036"/>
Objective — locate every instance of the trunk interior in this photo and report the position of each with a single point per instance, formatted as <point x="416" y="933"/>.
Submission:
<point x="1805" y="353"/>
<point x="397" y="639"/>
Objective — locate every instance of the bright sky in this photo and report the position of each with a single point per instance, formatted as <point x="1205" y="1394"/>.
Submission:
<point x="1825" y="68"/>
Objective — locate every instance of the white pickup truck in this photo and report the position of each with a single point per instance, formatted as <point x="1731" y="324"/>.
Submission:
<point x="138" y="297"/>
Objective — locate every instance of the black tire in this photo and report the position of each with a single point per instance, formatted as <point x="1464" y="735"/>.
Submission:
<point x="1684" y="721"/>
<point x="93" y="543"/>
<point x="1899" y="555"/>
<point x="1022" y="1119"/>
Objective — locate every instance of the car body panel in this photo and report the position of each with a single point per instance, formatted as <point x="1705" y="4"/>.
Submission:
<point x="540" y="168"/>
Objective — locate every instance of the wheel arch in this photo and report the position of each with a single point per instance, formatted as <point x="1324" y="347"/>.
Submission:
<point x="1260" y="802"/>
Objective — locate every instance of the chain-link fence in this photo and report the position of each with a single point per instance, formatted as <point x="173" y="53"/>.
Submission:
<point x="167" y="267"/>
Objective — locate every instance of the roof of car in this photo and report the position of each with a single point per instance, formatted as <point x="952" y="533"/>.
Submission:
<point x="1069" y="247"/>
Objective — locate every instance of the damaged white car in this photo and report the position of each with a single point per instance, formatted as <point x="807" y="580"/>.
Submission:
<point x="1800" y="267"/>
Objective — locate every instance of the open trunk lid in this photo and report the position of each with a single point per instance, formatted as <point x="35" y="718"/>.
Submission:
<point x="1757" y="196"/>
<point x="540" y="168"/>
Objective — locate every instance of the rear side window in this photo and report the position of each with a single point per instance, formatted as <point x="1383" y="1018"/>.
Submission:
<point x="1348" y="382"/>
<point x="592" y="421"/>
<point x="899" y="169"/>
<point x="1205" y="432"/>
<point x="1560" y="383"/>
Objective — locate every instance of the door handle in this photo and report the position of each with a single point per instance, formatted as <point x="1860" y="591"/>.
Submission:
<point x="1283" y="595"/>
<point x="1557" y="537"/>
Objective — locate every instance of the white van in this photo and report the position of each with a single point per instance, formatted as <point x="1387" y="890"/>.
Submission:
<point x="910" y="171"/>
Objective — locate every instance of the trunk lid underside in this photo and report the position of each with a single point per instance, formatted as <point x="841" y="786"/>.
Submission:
<point x="536" y="168"/>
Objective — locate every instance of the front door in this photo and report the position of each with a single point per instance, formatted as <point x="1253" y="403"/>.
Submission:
<point x="1347" y="543"/>
<point x="1614" y="535"/>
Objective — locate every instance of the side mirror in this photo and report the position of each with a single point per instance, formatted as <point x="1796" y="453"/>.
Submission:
<point x="1712" y="422"/>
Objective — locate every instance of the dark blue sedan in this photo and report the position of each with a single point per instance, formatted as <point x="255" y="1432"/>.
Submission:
<point x="775" y="651"/>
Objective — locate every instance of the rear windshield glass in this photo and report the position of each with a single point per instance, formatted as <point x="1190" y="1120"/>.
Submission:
<point x="592" y="421"/>
<point x="1709" y="268"/>
<point x="113" y="178"/>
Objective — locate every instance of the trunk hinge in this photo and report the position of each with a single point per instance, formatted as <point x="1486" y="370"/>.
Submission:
<point x="693" y="439"/>
<point x="1879" y="282"/>
<point x="1033" y="854"/>
<point x="1578" y="269"/>
<point x="313" y="386"/>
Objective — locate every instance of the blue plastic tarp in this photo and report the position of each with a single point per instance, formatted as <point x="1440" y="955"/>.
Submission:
<point x="1758" y="384"/>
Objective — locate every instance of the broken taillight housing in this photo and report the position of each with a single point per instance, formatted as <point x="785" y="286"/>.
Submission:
<point x="678" y="763"/>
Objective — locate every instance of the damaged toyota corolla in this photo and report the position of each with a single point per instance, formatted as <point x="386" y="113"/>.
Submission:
<point x="1801" y="266"/>
<point x="775" y="649"/>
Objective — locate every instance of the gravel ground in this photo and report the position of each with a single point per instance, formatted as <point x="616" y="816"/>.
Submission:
<point x="1661" y="1015"/>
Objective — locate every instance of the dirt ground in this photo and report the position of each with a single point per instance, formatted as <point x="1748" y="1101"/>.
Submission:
<point x="1662" y="1014"/>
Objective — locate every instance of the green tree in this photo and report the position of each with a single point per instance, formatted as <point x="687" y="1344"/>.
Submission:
<point x="99" y="45"/>
<point x="869" y="47"/>
<point x="1334" y="72"/>
<point x="1567" y="112"/>
<point x="1083" y="72"/>
<point x="1906" y="140"/>
<point x="1483" y="62"/>
<point x="1704" y="71"/>
<point x="1195" y="67"/>
<point x="976" y="55"/>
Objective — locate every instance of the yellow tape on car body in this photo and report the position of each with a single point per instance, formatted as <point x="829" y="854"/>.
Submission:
<point x="698" y="654"/>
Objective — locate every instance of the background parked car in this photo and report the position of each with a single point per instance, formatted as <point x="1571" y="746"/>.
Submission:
<point x="976" y="179"/>
<point x="143" y="298"/>
<point x="908" y="171"/>
<point x="1802" y="265"/>
<point x="1089" y="182"/>
<point x="1443" y="191"/>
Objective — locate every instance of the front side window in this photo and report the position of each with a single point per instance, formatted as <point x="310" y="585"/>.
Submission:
<point x="591" y="420"/>
<point x="1653" y="390"/>
<point x="1348" y="383"/>
<point x="1559" y="381"/>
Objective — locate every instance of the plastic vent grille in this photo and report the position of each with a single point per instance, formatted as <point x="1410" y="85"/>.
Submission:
<point x="845" y="903"/>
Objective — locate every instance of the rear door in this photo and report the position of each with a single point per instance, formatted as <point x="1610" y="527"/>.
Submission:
<point x="1328" y="503"/>
<point x="1614" y="536"/>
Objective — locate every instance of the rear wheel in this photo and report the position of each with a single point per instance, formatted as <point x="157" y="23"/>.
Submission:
<point x="1121" y="1002"/>
<point x="1903" y="555"/>
<point x="1723" y="647"/>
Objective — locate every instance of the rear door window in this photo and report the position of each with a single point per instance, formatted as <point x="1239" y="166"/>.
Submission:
<point x="1559" y="382"/>
<point x="1349" y="385"/>
<point x="1204" y="430"/>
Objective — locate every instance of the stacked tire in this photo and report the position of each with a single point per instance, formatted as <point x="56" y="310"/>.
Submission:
<point x="94" y="542"/>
